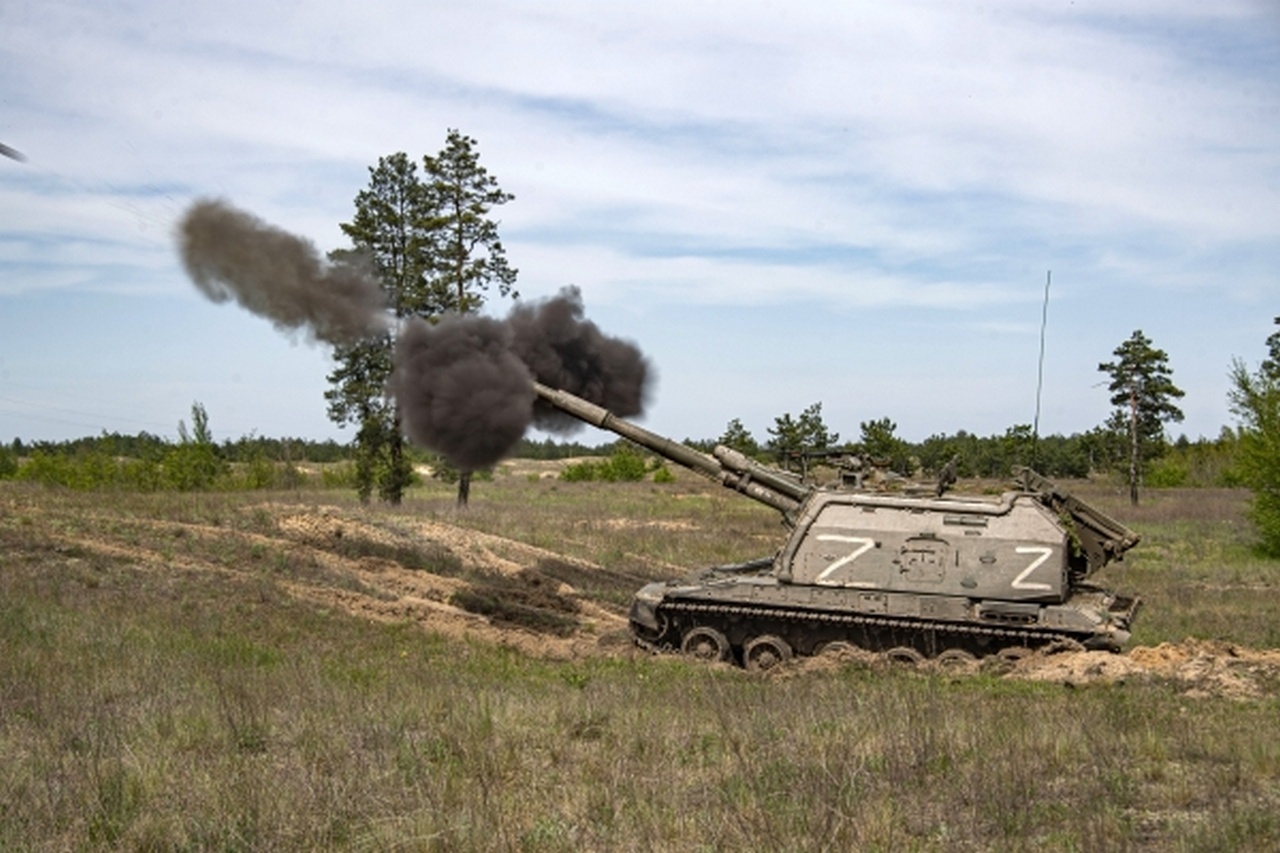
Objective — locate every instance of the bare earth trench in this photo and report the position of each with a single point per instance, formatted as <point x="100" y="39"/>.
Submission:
<point x="381" y="588"/>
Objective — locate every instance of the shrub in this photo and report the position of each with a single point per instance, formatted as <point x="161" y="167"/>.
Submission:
<point x="141" y="475"/>
<point x="8" y="463"/>
<point x="1167" y="472"/>
<point x="87" y="470"/>
<point x="581" y="472"/>
<point x="339" y="476"/>
<point x="1255" y="398"/>
<point x="49" y="469"/>
<point x="192" y="466"/>
<point x="289" y="476"/>
<point x="260" y="473"/>
<point x="624" y="465"/>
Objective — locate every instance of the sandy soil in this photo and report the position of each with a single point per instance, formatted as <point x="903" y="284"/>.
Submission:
<point x="359" y="571"/>
<point x="398" y="594"/>
<point x="1197" y="667"/>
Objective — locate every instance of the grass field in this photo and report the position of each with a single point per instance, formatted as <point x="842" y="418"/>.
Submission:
<point x="294" y="671"/>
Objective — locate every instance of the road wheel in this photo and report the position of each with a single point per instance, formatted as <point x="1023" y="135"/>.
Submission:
<point x="955" y="660"/>
<point x="838" y="648"/>
<point x="647" y="637"/>
<point x="706" y="644"/>
<point x="905" y="656"/>
<point x="1065" y="644"/>
<point x="765" y="652"/>
<point x="1013" y="654"/>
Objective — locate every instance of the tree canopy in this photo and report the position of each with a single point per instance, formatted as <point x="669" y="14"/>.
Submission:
<point x="791" y="438"/>
<point x="1143" y="392"/>
<point x="739" y="438"/>
<point x="467" y="256"/>
<point x="429" y="238"/>
<point x="1255" y="400"/>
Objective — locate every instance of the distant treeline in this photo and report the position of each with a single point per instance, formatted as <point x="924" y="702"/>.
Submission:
<point x="1204" y="462"/>
<point x="144" y="445"/>
<point x="149" y="462"/>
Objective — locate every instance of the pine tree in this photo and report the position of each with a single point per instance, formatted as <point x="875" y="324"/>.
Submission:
<point x="784" y="439"/>
<point x="389" y="232"/>
<point x="467" y="255"/>
<point x="795" y="437"/>
<point x="430" y="241"/>
<point x="1143" y="391"/>
<point x="739" y="438"/>
<point x="882" y="446"/>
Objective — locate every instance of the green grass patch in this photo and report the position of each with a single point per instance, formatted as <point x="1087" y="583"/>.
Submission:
<point x="153" y="702"/>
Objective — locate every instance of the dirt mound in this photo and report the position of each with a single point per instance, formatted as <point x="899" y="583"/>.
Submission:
<point x="1197" y="667"/>
<point x="838" y="656"/>
<point x="452" y="581"/>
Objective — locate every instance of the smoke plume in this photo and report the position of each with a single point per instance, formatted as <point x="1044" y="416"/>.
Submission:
<point x="566" y="351"/>
<point x="230" y="253"/>
<point x="464" y="384"/>
<point x="462" y="391"/>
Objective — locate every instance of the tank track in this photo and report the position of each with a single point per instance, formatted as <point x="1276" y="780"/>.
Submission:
<point x="997" y="637"/>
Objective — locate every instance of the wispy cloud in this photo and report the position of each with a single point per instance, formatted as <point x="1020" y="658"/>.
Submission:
<point x="881" y="159"/>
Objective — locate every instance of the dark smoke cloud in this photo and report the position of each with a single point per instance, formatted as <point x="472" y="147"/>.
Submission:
<point x="230" y="253"/>
<point x="464" y="384"/>
<point x="568" y="352"/>
<point x="461" y="389"/>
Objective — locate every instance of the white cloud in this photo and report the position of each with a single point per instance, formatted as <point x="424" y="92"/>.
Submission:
<point x="866" y="157"/>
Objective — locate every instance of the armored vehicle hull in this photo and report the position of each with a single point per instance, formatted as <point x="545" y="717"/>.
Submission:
<point x="752" y="618"/>
<point x="918" y="577"/>
<point x="915" y="576"/>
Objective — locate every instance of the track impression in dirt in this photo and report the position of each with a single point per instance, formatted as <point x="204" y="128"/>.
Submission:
<point x="457" y="582"/>
<point x="474" y="586"/>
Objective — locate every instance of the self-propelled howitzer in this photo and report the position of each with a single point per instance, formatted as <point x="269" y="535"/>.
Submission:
<point x="915" y="576"/>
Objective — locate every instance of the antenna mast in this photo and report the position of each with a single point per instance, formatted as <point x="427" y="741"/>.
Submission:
<point x="1044" y="320"/>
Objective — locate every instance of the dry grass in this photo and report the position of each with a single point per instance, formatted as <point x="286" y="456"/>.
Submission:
<point x="190" y="701"/>
<point x="1196" y="567"/>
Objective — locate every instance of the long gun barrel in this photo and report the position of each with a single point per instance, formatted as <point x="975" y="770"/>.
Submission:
<point x="728" y="467"/>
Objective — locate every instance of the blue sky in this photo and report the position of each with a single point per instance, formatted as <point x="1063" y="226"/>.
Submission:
<point x="849" y="203"/>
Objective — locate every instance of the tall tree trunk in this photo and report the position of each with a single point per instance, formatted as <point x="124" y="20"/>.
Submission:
<point x="366" y="448"/>
<point x="397" y="462"/>
<point x="1133" y="447"/>
<point x="464" y="488"/>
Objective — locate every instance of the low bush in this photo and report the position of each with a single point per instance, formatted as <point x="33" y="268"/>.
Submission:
<point x="624" y="465"/>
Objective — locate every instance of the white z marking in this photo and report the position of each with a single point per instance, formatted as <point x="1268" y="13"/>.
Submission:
<point x="1021" y="582"/>
<point x="867" y="545"/>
